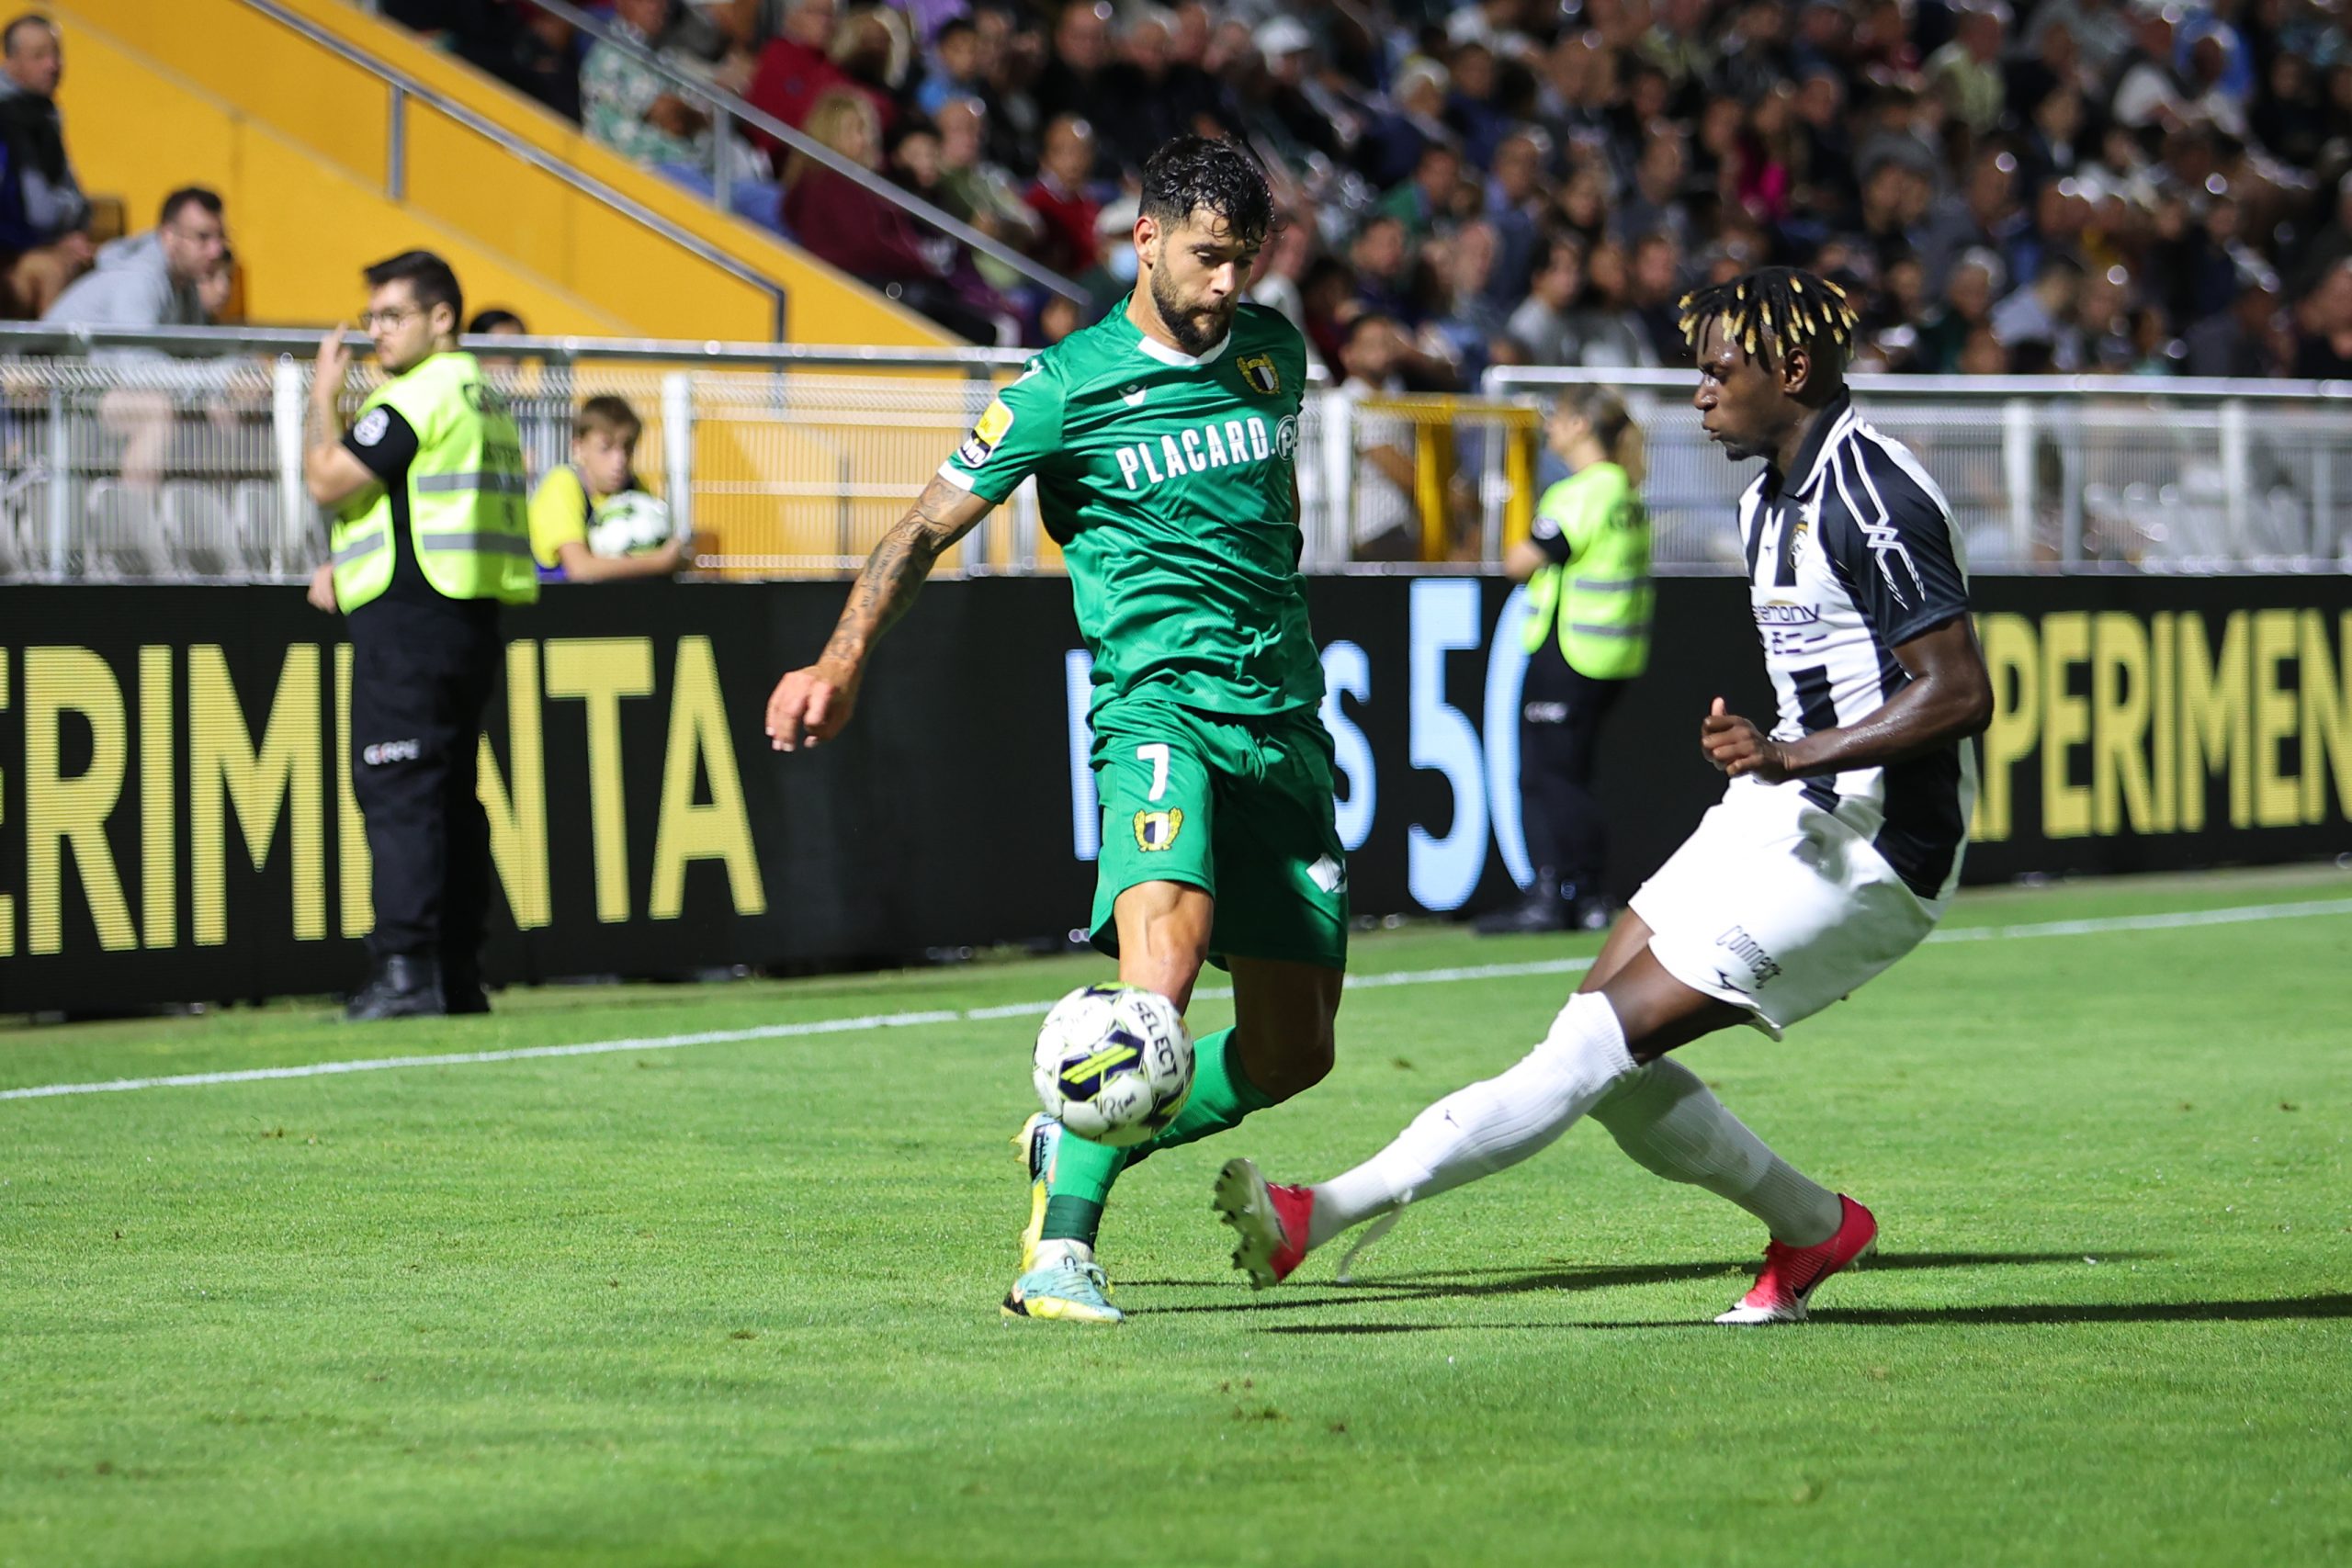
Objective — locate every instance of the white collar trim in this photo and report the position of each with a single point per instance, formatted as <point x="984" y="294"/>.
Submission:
<point x="1177" y="357"/>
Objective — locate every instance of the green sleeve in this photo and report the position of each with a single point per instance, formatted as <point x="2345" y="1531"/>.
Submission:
<point x="559" y="515"/>
<point x="1021" y="428"/>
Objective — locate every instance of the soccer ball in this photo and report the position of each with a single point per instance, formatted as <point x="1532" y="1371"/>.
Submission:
<point x="629" y="523"/>
<point x="1114" y="1064"/>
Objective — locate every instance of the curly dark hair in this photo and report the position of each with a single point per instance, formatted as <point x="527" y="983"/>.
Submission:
<point x="1195" y="173"/>
<point x="1773" y="309"/>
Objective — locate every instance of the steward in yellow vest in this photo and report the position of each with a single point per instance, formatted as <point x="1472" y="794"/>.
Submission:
<point x="1586" y="566"/>
<point x="429" y="538"/>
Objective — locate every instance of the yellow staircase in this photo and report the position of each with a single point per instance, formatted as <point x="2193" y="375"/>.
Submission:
<point x="326" y="167"/>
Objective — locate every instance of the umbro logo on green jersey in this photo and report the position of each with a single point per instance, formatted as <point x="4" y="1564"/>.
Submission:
<point x="1133" y="394"/>
<point x="1197" y="450"/>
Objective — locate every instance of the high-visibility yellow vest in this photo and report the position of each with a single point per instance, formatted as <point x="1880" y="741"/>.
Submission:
<point x="466" y="517"/>
<point x="1600" y="600"/>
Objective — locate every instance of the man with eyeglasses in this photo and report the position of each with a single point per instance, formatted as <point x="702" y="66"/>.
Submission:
<point x="154" y="279"/>
<point x="430" y="536"/>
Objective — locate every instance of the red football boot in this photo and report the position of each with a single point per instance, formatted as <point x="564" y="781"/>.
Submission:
<point x="1791" y="1274"/>
<point x="1271" y="1222"/>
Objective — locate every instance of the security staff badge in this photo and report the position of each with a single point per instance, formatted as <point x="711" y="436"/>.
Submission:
<point x="1158" y="830"/>
<point x="1258" y="374"/>
<point x="994" y="422"/>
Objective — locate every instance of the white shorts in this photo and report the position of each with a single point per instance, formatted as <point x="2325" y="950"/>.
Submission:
<point x="1776" y="906"/>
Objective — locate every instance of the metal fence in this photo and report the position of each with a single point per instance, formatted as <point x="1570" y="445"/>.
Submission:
<point x="2090" y="473"/>
<point x="176" y="455"/>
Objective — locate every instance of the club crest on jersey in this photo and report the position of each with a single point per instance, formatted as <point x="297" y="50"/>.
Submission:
<point x="1158" y="830"/>
<point x="986" y="435"/>
<point x="1257" y="373"/>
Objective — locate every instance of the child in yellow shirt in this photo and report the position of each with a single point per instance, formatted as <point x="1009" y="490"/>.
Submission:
<point x="604" y="451"/>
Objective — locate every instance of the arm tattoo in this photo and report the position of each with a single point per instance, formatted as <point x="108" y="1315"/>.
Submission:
<point x="894" y="573"/>
<point x="321" y="427"/>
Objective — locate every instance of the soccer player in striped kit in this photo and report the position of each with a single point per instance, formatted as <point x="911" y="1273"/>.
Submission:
<point x="1835" y="851"/>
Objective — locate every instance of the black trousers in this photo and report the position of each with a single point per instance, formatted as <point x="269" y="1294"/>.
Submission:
<point x="420" y="679"/>
<point x="1559" y="742"/>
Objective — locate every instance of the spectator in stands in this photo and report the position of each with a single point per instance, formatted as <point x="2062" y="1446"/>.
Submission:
<point x="1426" y="200"/>
<point x="1154" y="96"/>
<point x="861" y="233"/>
<point x="1966" y="72"/>
<point x="2184" y="145"/>
<point x="151" y="279"/>
<point x="1468" y="329"/>
<point x="1078" y="82"/>
<point x="42" y="211"/>
<point x="1515" y="206"/>
<point x="1658" y="202"/>
<point x="979" y="192"/>
<point x="634" y="109"/>
<point x="175" y="276"/>
<point x="2241" y="341"/>
<point x="2043" y="312"/>
<point x="1112" y="276"/>
<point x="1066" y="212"/>
<point x="1607" y="327"/>
<point x="1386" y="523"/>
<point x="497" y="322"/>
<point x="1658" y="287"/>
<point x="1544" y="326"/>
<point x="957" y="68"/>
<point x="1967" y="307"/>
<point x="563" y="509"/>
<point x="2324" y="351"/>
<point x="794" y="69"/>
<point x="631" y="106"/>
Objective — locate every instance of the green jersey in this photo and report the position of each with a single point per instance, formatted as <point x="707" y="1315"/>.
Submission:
<point x="1168" y="482"/>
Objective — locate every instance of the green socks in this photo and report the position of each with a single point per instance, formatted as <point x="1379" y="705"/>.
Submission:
<point x="1083" y="1172"/>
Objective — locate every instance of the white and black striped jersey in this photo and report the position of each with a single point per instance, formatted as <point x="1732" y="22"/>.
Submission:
<point x="1849" y="556"/>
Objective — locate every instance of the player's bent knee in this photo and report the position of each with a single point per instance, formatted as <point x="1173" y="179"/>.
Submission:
<point x="1280" y="1068"/>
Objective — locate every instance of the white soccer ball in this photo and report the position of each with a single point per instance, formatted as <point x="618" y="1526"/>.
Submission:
<point x="1114" y="1064"/>
<point x="629" y="523"/>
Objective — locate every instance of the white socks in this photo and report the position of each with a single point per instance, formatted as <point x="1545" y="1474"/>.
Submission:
<point x="1051" y="1254"/>
<point x="1477" y="1131"/>
<point x="1660" y="1114"/>
<point x="1669" y="1122"/>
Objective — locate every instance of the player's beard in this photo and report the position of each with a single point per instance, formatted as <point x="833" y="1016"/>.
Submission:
<point x="1196" y="329"/>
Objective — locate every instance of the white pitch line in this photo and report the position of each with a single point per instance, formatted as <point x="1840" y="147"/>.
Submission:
<point x="2169" y="920"/>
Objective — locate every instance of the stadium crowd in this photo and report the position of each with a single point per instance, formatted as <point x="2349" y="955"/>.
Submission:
<point x="2074" y="186"/>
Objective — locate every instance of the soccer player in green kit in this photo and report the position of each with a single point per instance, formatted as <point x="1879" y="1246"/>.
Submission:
<point x="1163" y="439"/>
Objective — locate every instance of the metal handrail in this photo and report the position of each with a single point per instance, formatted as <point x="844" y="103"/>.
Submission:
<point x="404" y="88"/>
<point x="1503" y="381"/>
<point x="800" y="142"/>
<point x="23" y="339"/>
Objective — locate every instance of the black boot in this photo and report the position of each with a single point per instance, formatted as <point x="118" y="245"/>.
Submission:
<point x="461" y="991"/>
<point x="1542" y="910"/>
<point x="404" y="985"/>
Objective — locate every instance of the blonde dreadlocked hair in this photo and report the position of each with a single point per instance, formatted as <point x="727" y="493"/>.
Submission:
<point x="1771" y="311"/>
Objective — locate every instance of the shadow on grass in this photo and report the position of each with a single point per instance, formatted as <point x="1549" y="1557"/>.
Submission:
<point x="2290" y="1309"/>
<point x="1431" y="1285"/>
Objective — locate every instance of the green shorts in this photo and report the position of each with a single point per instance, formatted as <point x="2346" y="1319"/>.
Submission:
<point x="1238" y="807"/>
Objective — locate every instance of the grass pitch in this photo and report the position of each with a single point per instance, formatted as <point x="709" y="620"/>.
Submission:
<point x="735" y="1301"/>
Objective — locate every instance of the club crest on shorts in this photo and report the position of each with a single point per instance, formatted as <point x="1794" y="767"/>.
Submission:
<point x="1257" y="373"/>
<point x="994" y="422"/>
<point x="1158" y="830"/>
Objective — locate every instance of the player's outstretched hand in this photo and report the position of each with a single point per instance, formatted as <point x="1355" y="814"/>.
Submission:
<point x="1738" y="748"/>
<point x="810" y="706"/>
